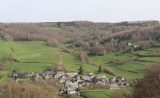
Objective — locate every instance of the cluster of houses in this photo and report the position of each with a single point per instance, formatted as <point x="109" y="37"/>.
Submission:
<point x="72" y="81"/>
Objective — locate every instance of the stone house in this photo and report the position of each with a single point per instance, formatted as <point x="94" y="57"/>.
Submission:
<point x="114" y="86"/>
<point x="70" y="87"/>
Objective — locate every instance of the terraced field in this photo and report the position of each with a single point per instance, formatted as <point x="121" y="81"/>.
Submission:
<point x="37" y="56"/>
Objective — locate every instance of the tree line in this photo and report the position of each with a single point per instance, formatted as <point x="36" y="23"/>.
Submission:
<point x="95" y="38"/>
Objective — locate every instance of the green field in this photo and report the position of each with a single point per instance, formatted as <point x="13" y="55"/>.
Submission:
<point x="98" y="94"/>
<point x="103" y="93"/>
<point x="35" y="56"/>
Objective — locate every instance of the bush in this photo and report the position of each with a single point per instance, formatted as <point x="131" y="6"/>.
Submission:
<point x="97" y="51"/>
<point x="66" y="50"/>
<point x="122" y="94"/>
<point x="83" y="57"/>
<point x="58" y="67"/>
<point x="2" y="66"/>
<point x="149" y="86"/>
<point x="26" y="90"/>
<point x="52" y="43"/>
<point x="108" y="70"/>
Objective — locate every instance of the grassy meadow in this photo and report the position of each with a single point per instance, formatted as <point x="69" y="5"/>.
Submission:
<point x="36" y="56"/>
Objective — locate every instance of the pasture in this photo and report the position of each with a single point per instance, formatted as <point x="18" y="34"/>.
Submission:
<point x="36" y="56"/>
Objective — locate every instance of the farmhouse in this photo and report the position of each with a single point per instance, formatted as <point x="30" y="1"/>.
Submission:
<point x="137" y="47"/>
<point x="114" y="86"/>
<point x="70" y="87"/>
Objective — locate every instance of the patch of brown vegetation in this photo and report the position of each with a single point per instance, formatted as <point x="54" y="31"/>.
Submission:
<point x="27" y="90"/>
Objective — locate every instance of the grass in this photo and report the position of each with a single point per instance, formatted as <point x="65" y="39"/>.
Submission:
<point x="35" y="56"/>
<point x="103" y="93"/>
<point x="5" y="79"/>
<point x="98" y="94"/>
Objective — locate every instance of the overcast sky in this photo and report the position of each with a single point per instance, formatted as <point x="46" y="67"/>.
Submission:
<point x="78" y="10"/>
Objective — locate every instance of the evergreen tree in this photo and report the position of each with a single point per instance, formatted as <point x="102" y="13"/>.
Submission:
<point x="80" y="70"/>
<point x="100" y="69"/>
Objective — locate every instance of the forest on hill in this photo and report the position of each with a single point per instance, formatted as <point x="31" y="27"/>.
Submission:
<point x="94" y="38"/>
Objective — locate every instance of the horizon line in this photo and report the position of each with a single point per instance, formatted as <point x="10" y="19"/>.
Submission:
<point x="80" y="21"/>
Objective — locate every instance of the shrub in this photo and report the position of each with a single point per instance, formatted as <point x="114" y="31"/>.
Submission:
<point x="26" y="90"/>
<point x="108" y="70"/>
<point x="52" y="43"/>
<point x="2" y="66"/>
<point x="97" y="51"/>
<point x="58" y="67"/>
<point x="149" y="86"/>
<point x="83" y="57"/>
<point x="122" y="94"/>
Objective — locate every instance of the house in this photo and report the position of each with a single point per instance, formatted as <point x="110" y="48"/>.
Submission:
<point x="29" y="75"/>
<point x="71" y="75"/>
<point x="113" y="80"/>
<point x="114" y="86"/>
<point x="119" y="79"/>
<point x="70" y="88"/>
<point x="15" y="75"/>
<point x="87" y="78"/>
<point x="91" y="74"/>
<point x="81" y="83"/>
<point x="51" y="73"/>
<point x="58" y="75"/>
<point x="71" y="84"/>
<point x="38" y="76"/>
<point x="48" y="74"/>
<point x="102" y="80"/>
<point x="124" y="83"/>
<point x="62" y="79"/>
<point x="69" y="91"/>
<point x="137" y="47"/>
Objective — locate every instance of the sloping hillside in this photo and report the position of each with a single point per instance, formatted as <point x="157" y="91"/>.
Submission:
<point x="42" y="46"/>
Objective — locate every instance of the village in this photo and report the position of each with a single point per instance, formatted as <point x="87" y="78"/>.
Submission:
<point x="72" y="81"/>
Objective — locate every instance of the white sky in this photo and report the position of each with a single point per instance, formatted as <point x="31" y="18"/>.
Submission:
<point x="72" y="10"/>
